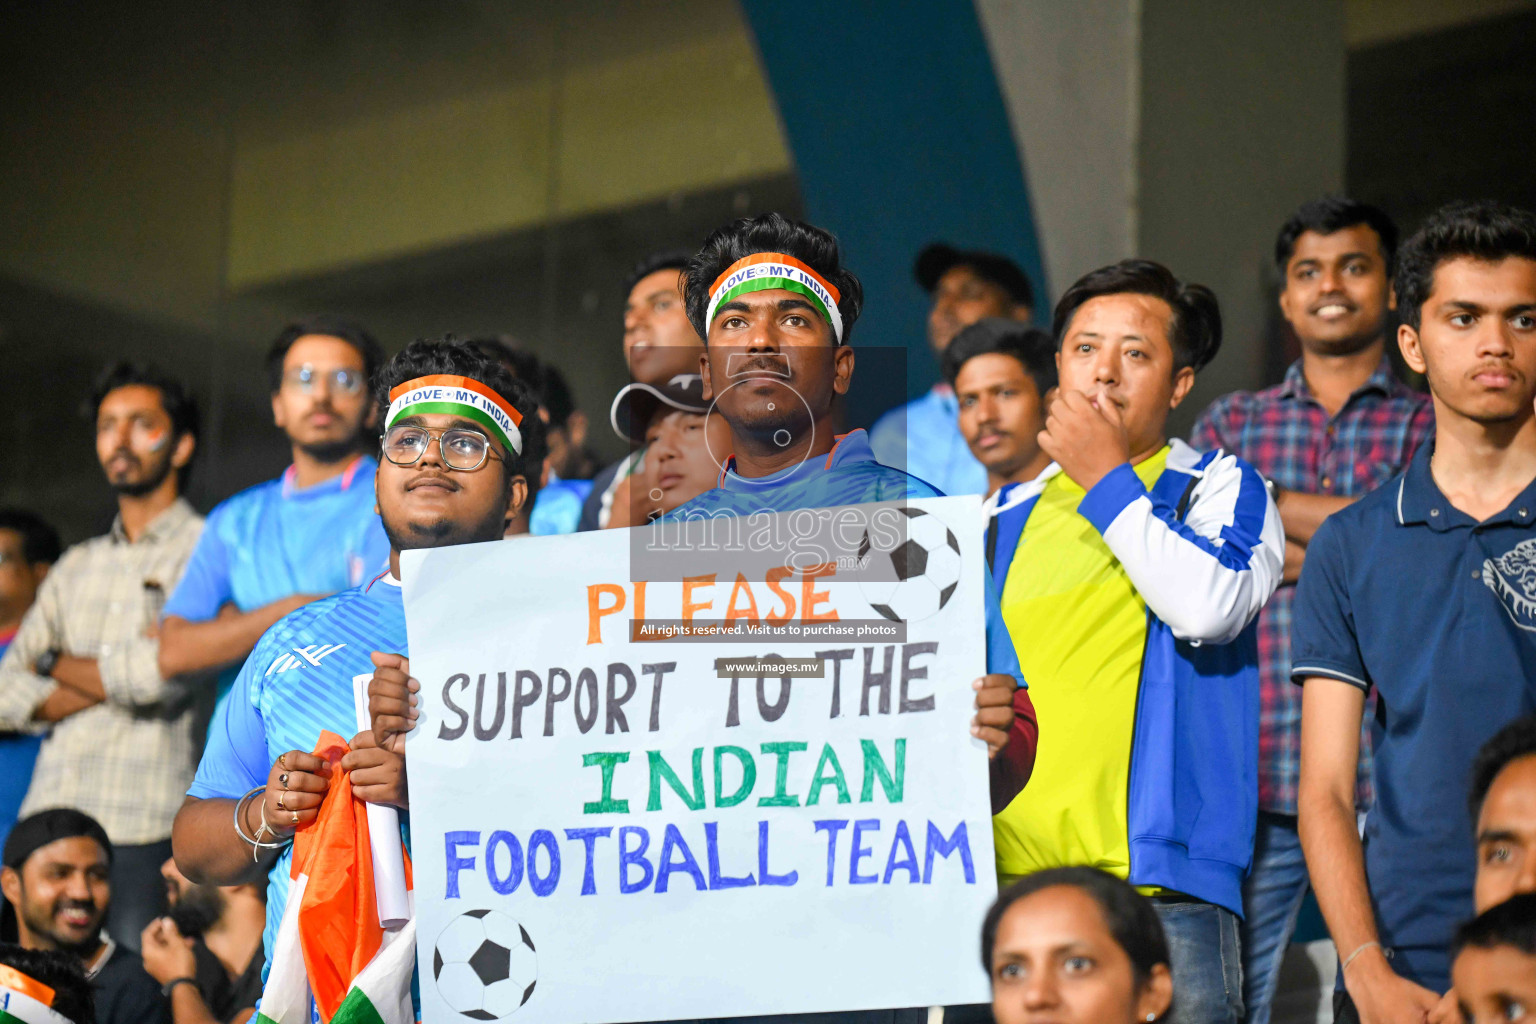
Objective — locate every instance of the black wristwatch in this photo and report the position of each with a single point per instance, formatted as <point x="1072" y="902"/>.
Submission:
<point x="170" y="986"/>
<point x="47" y="661"/>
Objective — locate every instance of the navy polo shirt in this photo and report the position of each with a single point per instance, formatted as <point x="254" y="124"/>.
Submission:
<point x="1407" y="594"/>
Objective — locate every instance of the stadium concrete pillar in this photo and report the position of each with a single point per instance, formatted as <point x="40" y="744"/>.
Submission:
<point x="1179" y="130"/>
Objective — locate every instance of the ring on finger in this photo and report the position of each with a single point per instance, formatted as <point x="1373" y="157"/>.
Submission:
<point x="280" y="805"/>
<point x="282" y="760"/>
<point x="283" y="779"/>
<point x="295" y="816"/>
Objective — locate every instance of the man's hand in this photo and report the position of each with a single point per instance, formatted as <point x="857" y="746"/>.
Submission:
<point x="295" y="786"/>
<point x="994" y="711"/>
<point x="1383" y="997"/>
<point x="377" y="775"/>
<point x="1085" y="440"/>
<point x="392" y="701"/>
<point x="166" y="952"/>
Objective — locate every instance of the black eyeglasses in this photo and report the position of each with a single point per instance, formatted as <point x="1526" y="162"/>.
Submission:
<point x="462" y="449"/>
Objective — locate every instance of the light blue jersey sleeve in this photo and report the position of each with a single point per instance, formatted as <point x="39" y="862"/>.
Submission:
<point x="205" y="585"/>
<point x="235" y="759"/>
<point x="1001" y="657"/>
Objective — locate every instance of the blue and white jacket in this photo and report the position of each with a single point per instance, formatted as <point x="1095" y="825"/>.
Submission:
<point x="1205" y="549"/>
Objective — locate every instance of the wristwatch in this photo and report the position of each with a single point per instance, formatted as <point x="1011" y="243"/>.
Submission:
<point x="46" y="661"/>
<point x="170" y="986"/>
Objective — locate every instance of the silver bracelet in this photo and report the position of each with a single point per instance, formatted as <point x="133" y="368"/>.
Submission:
<point x="256" y="844"/>
<point x="1358" y="950"/>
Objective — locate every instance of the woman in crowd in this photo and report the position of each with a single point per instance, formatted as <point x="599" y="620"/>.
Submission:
<point x="1075" y="945"/>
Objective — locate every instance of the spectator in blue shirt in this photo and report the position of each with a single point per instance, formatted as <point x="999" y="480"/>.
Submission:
<point x="28" y="549"/>
<point x="312" y="531"/>
<point x="923" y="437"/>
<point x="1424" y="591"/>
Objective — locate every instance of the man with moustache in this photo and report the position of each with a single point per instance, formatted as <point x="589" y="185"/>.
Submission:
<point x="921" y="436"/>
<point x="1339" y="425"/>
<point x="453" y="472"/>
<point x="775" y="359"/>
<point x="310" y="532"/>
<point x="659" y="344"/>
<point x="1003" y="374"/>
<point x="56" y="879"/>
<point x="84" y="663"/>
<point x="1421" y="592"/>
<point x="213" y="936"/>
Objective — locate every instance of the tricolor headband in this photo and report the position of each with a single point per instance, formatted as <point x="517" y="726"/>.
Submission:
<point x="765" y="271"/>
<point x="447" y="394"/>
<point x="25" y="1000"/>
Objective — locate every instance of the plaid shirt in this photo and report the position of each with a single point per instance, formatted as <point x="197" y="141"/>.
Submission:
<point x="127" y="761"/>
<point x="1286" y="435"/>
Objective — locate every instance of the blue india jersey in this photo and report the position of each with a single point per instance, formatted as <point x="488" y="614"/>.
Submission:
<point x="275" y="540"/>
<point x="297" y="682"/>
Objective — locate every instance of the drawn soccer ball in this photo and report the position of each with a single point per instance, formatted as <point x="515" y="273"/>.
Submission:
<point x="919" y="575"/>
<point x="485" y="965"/>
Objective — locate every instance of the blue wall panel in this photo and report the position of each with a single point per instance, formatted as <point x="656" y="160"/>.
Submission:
<point x="900" y="138"/>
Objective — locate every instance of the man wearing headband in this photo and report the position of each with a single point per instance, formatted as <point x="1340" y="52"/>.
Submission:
<point x="83" y="665"/>
<point x="453" y="471"/>
<point x="775" y="306"/>
<point x="310" y="532"/>
<point x="56" y="877"/>
<point x="44" y="987"/>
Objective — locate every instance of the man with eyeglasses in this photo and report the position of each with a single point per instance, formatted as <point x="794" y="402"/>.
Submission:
<point x="456" y="429"/>
<point x="312" y="531"/>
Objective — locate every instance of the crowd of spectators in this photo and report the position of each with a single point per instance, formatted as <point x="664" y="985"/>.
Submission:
<point x="1274" y="659"/>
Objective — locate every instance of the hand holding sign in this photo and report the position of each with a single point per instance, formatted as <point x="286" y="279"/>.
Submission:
<point x="378" y="775"/>
<point x="392" y="701"/>
<point x="994" y="711"/>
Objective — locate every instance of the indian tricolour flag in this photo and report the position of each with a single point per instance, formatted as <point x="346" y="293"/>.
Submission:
<point x="25" y="1000"/>
<point x="331" y="949"/>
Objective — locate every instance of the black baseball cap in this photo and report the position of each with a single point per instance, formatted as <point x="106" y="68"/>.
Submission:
<point x="937" y="259"/>
<point x="636" y="404"/>
<point x="36" y="831"/>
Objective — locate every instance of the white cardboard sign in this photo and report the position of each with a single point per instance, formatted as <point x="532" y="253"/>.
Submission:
<point x="606" y="830"/>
